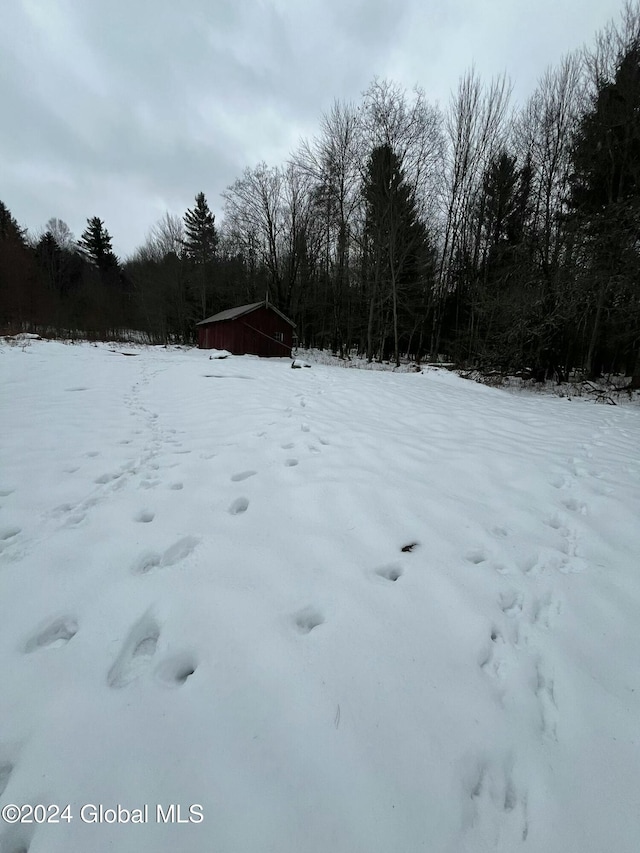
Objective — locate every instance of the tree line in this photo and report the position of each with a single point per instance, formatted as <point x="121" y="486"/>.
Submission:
<point x="491" y="235"/>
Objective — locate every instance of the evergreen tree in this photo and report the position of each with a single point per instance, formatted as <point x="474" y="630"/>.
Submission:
<point x="95" y="242"/>
<point x="201" y="236"/>
<point x="397" y="244"/>
<point x="605" y="211"/>
<point x="200" y="249"/>
<point x="9" y="228"/>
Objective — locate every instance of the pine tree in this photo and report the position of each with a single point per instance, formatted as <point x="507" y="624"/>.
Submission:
<point x="605" y="203"/>
<point x="200" y="248"/>
<point x="397" y="241"/>
<point x="95" y="242"/>
<point x="9" y="228"/>
<point x="201" y="236"/>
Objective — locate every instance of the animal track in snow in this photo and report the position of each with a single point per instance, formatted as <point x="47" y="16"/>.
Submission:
<point x="575" y="506"/>
<point x="175" y="671"/>
<point x="528" y="563"/>
<point x="137" y="653"/>
<point x="289" y="446"/>
<point x="511" y="603"/>
<point x="308" y="619"/>
<point x="180" y="550"/>
<point x="555" y="523"/>
<point x="500" y="532"/>
<point x="544" y="690"/>
<point x="242" y="475"/>
<point x="144" y="516"/>
<point x="542" y="609"/>
<point x="52" y="636"/>
<point x="476" y="556"/>
<point x="9" y="532"/>
<point x="6" y="769"/>
<point x="149" y="484"/>
<point x="491" y="796"/>
<point x="291" y="463"/>
<point x="558" y="482"/>
<point x="239" y="506"/>
<point x="305" y="428"/>
<point x="390" y="573"/>
<point x="176" y="486"/>
<point x="4" y="493"/>
<point x="106" y="478"/>
<point x="17" y="839"/>
<point x="490" y="661"/>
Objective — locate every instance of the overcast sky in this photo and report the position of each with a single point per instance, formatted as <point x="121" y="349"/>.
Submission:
<point x="124" y="109"/>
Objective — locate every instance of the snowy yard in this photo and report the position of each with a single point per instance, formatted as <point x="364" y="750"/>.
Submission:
<point x="341" y="611"/>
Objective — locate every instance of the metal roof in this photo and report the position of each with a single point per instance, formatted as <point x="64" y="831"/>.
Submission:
<point x="240" y="311"/>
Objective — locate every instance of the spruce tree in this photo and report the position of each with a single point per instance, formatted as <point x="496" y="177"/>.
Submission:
<point x="95" y="242"/>
<point x="397" y="244"/>
<point x="201" y="236"/>
<point x="605" y="203"/>
<point x="200" y="248"/>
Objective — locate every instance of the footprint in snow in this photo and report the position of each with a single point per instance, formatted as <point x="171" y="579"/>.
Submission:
<point x="492" y="805"/>
<point x="4" y="493"/>
<point x="389" y="573"/>
<point x="575" y="506"/>
<point x="291" y="463"/>
<point x="144" y="516"/>
<point x="242" y="475"/>
<point x="177" y="552"/>
<point x="239" y="506"/>
<point x="555" y="523"/>
<point x="6" y="769"/>
<point x="106" y="478"/>
<point x="137" y="653"/>
<point x="477" y="556"/>
<point x="149" y="484"/>
<point x="489" y="660"/>
<point x="545" y="693"/>
<point x="308" y="619"/>
<point x="176" y="486"/>
<point x="511" y="603"/>
<point x="176" y="670"/>
<point x="288" y="446"/>
<point x="9" y="532"/>
<point x="53" y="635"/>
<point x="528" y="563"/>
<point x="17" y="839"/>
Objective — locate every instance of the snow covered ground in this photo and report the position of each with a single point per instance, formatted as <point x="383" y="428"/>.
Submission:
<point x="339" y="610"/>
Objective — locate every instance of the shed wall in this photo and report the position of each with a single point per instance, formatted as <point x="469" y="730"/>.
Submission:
<point x="253" y="333"/>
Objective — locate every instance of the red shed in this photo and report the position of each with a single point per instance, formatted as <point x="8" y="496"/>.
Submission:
<point x="258" y="328"/>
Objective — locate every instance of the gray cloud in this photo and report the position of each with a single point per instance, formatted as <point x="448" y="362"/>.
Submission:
<point x="127" y="108"/>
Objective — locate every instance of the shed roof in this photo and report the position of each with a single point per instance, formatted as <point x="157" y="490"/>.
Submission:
<point x="240" y="311"/>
